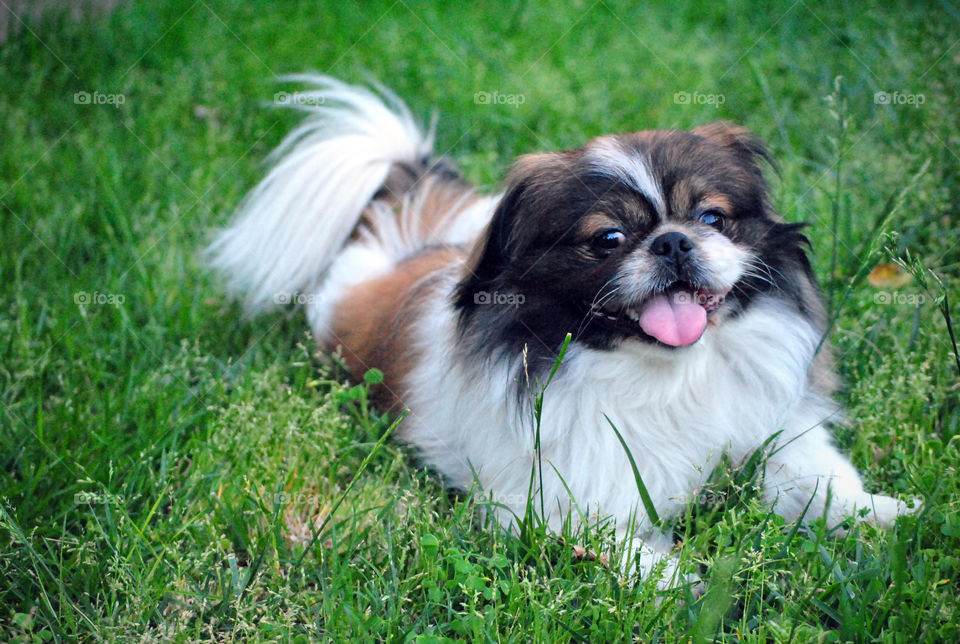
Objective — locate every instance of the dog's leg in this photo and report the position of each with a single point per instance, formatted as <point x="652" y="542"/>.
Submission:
<point x="652" y="554"/>
<point x="808" y="468"/>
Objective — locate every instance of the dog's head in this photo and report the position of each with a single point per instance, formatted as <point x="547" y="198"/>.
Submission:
<point x="651" y="237"/>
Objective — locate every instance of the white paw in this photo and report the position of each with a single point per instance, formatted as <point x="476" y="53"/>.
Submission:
<point x="884" y="510"/>
<point x="666" y="569"/>
<point x="670" y="577"/>
<point x="887" y="509"/>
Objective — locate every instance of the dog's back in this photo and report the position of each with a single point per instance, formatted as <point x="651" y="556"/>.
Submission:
<point x="355" y="212"/>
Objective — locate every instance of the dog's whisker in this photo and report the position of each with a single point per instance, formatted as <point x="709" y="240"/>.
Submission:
<point x="597" y="303"/>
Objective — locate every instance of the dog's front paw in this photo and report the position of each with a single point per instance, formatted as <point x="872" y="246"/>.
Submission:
<point x="667" y="571"/>
<point x="691" y="580"/>
<point x="884" y="510"/>
<point x="669" y="575"/>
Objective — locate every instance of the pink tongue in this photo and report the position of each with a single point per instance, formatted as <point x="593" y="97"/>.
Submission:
<point x="676" y="320"/>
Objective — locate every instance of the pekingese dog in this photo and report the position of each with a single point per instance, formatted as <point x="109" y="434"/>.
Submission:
<point x="694" y="319"/>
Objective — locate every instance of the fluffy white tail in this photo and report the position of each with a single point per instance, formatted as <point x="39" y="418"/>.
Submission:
<point x="289" y="229"/>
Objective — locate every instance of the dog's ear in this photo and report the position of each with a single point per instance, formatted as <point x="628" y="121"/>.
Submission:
<point x="504" y="236"/>
<point x="751" y="151"/>
<point x="742" y="141"/>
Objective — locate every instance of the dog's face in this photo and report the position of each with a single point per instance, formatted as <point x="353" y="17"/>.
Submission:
<point x="650" y="237"/>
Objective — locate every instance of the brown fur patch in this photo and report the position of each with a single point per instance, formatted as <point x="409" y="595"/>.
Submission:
<point x="438" y="202"/>
<point x="735" y="137"/>
<point x="719" y="201"/>
<point x="374" y="322"/>
<point x="823" y="376"/>
<point x="594" y="223"/>
<point x="694" y="193"/>
<point x="436" y="195"/>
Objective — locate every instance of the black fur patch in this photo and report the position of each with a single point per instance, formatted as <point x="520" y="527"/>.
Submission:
<point x="536" y="274"/>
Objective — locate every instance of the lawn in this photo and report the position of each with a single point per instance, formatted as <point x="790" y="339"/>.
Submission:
<point x="173" y="471"/>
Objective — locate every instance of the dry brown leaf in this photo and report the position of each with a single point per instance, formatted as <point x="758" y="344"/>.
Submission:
<point x="889" y="276"/>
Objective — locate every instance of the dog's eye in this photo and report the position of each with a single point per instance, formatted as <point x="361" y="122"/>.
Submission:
<point x="712" y="218"/>
<point x="607" y="240"/>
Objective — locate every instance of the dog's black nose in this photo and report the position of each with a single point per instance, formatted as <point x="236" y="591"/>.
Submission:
<point x="674" y="247"/>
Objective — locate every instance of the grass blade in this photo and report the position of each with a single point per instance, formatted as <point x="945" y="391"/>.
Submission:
<point x="641" y="487"/>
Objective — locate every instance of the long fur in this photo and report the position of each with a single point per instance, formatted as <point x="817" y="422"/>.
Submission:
<point x="320" y="223"/>
<point x="292" y="225"/>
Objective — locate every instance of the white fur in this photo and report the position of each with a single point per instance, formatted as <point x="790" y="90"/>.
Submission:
<point x="609" y="158"/>
<point x="293" y="224"/>
<point x="389" y="238"/>
<point x="679" y="410"/>
<point x="723" y="262"/>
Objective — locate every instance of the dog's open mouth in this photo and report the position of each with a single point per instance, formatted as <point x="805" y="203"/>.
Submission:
<point x="676" y="317"/>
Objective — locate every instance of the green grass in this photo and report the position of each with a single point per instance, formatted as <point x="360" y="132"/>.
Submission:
<point x="165" y="463"/>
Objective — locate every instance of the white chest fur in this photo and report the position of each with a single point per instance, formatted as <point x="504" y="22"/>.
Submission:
<point x="678" y="410"/>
